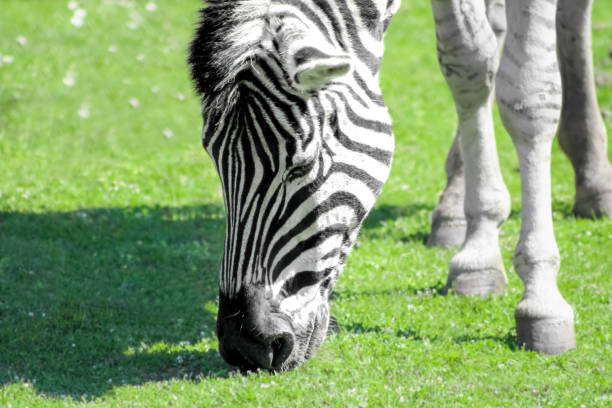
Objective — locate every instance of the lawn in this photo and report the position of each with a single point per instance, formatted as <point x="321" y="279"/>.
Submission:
<point x="112" y="224"/>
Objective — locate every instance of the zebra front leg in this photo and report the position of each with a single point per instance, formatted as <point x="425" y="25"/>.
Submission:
<point x="448" y="223"/>
<point x="582" y="133"/>
<point x="467" y="51"/>
<point x="529" y="98"/>
<point x="448" y="219"/>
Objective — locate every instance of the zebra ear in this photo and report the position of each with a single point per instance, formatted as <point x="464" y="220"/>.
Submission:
<point x="314" y="69"/>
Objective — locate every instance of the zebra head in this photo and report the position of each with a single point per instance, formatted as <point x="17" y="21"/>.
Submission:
<point x="296" y="125"/>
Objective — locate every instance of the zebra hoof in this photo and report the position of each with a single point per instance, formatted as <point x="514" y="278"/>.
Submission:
<point x="594" y="206"/>
<point x="447" y="233"/>
<point x="479" y="282"/>
<point x="545" y="335"/>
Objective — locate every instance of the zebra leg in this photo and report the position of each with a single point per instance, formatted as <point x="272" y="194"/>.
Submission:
<point x="467" y="51"/>
<point x="582" y="133"/>
<point x="529" y="98"/>
<point x="448" y="219"/>
<point x="448" y="223"/>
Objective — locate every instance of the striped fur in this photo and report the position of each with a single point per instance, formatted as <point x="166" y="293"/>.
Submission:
<point x="301" y="139"/>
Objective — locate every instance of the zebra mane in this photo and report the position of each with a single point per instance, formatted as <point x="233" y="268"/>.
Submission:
<point x="224" y="43"/>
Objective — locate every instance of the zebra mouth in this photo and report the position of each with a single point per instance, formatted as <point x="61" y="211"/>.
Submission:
<point x="311" y="346"/>
<point x="317" y="334"/>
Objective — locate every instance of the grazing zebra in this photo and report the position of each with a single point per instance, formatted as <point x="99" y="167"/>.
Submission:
<point x="302" y="142"/>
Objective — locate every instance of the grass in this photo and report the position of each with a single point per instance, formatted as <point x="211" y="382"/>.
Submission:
<point x="111" y="231"/>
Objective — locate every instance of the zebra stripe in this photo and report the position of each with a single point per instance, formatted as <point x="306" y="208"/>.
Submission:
<point x="542" y="103"/>
<point x="299" y="170"/>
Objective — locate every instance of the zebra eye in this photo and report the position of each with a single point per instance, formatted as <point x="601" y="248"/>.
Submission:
<point x="300" y="170"/>
<point x="303" y="280"/>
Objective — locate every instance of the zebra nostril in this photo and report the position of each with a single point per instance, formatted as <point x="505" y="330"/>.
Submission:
<point x="282" y="346"/>
<point x="277" y="345"/>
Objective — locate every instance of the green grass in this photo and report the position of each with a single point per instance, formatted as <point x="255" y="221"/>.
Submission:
<point x="111" y="235"/>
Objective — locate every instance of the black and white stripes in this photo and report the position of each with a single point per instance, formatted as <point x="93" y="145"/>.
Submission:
<point x="300" y="136"/>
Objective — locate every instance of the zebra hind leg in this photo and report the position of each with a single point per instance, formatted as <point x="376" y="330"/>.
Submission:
<point x="582" y="133"/>
<point x="468" y="56"/>
<point x="448" y="224"/>
<point x="530" y="112"/>
<point x="448" y="219"/>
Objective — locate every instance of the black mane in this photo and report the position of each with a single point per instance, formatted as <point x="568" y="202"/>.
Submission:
<point x="215" y="59"/>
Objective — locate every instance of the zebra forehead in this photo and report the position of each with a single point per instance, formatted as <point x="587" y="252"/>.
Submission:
<point x="230" y="32"/>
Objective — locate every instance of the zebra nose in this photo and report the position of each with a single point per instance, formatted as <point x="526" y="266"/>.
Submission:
<point x="255" y="348"/>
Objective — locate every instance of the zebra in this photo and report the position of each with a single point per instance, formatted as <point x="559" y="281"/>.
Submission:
<point x="302" y="141"/>
<point x="299" y="133"/>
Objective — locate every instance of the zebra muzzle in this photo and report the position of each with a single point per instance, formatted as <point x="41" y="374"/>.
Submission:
<point x="254" y="348"/>
<point x="254" y="337"/>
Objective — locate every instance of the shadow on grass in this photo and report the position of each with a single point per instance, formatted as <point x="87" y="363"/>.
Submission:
<point x="360" y="328"/>
<point x="381" y="214"/>
<point x="384" y="213"/>
<point x="94" y="298"/>
<point x="98" y="297"/>
<point x="509" y="339"/>
<point x="428" y="291"/>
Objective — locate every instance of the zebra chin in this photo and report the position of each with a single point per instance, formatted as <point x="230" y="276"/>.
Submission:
<point x="254" y="334"/>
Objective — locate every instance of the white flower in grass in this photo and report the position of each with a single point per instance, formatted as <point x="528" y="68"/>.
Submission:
<point x="180" y="96"/>
<point x="134" y="102"/>
<point x="70" y="79"/>
<point x="22" y="40"/>
<point x="112" y="48"/>
<point x="151" y="6"/>
<point x="155" y="89"/>
<point x="140" y="57"/>
<point x="135" y="20"/>
<point x="78" y="18"/>
<point x="84" y="111"/>
<point x="168" y="133"/>
<point x="8" y="59"/>
<point x="73" y="5"/>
